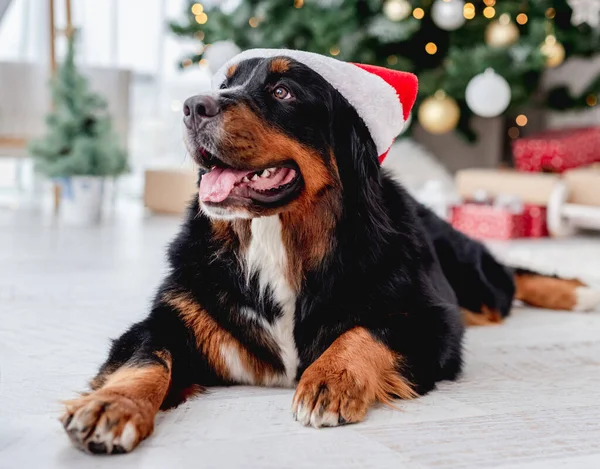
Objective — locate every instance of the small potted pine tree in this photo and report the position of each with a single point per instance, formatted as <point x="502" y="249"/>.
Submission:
<point x="80" y="150"/>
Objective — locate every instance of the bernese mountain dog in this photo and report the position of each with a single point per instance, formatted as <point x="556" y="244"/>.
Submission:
<point x="301" y="263"/>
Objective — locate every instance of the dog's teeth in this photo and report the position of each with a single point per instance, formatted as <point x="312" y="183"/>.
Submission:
<point x="245" y="179"/>
<point x="255" y="177"/>
<point x="265" y="174"/>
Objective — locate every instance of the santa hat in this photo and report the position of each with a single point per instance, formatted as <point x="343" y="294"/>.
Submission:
<point x="382" y="97"/>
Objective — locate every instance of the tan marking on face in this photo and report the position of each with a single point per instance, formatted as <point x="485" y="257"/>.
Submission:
<point x="231" y="70"/>
<point x="250" y="141"/>
<point x="279" y="65"/>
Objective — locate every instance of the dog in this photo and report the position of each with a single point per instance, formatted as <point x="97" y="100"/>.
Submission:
<point x="300" y="263"/>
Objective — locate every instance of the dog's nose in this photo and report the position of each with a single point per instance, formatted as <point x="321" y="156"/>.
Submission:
<point x="198" y="108"/>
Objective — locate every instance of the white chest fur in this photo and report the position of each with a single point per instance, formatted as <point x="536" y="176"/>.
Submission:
<point x="266" y="257"/>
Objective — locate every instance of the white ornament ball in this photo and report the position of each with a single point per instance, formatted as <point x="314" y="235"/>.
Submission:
<point x="488" y="94"/>
<point x="218" y="53"/>
<point x="397" y="10"/>
<point x="448" y="14"/>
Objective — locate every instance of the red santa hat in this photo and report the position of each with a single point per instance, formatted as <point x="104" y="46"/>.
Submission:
<point x="382" y="97"/>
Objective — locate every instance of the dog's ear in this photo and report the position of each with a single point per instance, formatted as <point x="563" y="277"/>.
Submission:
<point x="354" y="149"/>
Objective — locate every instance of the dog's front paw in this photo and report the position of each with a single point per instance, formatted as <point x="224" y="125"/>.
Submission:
<point x="329" y="398"/>
<point x="105" y="422"/>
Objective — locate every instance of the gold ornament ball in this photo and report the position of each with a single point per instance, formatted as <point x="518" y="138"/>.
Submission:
<point x="439" y="113"/>
<point x="554" y="52"/>
<point x="501" y="32"/>
<point x="397" y="10"/>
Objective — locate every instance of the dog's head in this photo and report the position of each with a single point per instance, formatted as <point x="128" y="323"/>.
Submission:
<point x="275" y="136"/>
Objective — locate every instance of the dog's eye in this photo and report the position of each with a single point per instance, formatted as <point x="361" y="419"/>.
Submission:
<point x="281" y="92"/>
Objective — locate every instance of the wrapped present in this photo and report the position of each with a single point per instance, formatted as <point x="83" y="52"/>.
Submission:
<point x="584" y="185"/>
<point x="534" y="221"/>
<point x="531" y="188"/>
<point x="557" y="150"/>
<point x="482" y="221"/>
<point x="502" y="220"/>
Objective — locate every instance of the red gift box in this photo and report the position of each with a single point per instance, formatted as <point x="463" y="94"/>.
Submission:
<point x="481" y="221"/>
<point x="487" y="222"/>
<point x="534" y="219"/>
<point x="557" y="150"/>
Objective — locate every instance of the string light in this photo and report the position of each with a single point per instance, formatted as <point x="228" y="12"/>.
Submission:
<point x="203" y="63"/>
<point x="469" y="11"/>
<point x="298" y="3"/>
<point x="186" y="62"/>
<point x="591" y="100"/>
<point x="199" y="35"/>
<point x="335" y="50"/>
<point x="550" y="13"/>
<point x="522" y="18"/>
<point x="202" y="18"/>
<point x="392" y="60"/>
<point x="513" y="133"/>
<point x="521" y="120"/>
<point x="431" y="48"/>
<point x="489" y="12"/>
<point x="197" y="8"/>
<point x="418" y="13"/>
<point x="253" y="22"/>
<point x="550" y="39"/>
<point x="489" y="3"/>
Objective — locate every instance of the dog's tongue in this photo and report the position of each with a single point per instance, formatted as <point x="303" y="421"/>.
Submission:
<point x="217" y="184"/>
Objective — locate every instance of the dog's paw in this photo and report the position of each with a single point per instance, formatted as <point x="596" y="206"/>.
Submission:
<point x="587" y="299"/>
<point x="106" y="423"/>
<point x="329" y="399"/>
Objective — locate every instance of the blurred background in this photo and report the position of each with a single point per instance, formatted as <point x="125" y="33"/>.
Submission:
<point x="503" y="142"/>
<point x="91" y="95"/>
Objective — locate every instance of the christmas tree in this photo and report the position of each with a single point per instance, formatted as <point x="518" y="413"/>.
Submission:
<point x="79" y="139"/>
<point x="447" y="43"/>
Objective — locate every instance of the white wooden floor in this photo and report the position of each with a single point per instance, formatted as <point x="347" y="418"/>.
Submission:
<point x="528" y="398"/>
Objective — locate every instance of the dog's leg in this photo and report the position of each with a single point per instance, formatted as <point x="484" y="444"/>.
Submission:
<point x="555" y="293"/>
<point x="147" y="368"/>
<point x="352" y="374"/>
